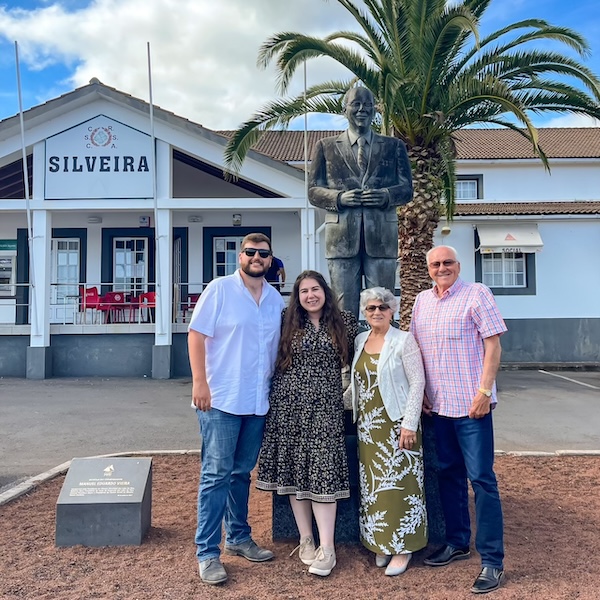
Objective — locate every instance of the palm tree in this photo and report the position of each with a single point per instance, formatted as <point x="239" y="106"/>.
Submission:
<point x="431" y="75"/>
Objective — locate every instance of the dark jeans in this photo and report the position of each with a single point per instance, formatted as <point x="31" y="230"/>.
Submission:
<point x="465" y="449"/>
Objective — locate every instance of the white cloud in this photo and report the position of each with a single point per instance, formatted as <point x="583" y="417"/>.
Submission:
<point x="203" y="51"/>
<point x="571" y="121"/>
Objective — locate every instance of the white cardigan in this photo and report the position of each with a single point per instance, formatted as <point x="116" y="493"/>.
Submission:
<point x="401" y="397"/>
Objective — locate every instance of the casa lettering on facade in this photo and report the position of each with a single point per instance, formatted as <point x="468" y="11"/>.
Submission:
<point x="98" y="164"/>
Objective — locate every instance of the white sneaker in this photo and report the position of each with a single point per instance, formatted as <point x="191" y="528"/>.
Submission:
<point x="306" y="550"/>
<point x="324" y="561"/>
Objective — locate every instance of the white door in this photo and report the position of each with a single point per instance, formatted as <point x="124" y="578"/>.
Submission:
<point x="64" y="289"/>
<point x="225" y="254"/>
<point x="130" y="265"/>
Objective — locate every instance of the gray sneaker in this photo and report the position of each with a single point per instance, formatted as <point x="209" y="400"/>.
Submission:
<point x="249" y="550"/>
<point x="306" y="550"/>
<point x="324" y="562"/>
<point x="212" y="571"/>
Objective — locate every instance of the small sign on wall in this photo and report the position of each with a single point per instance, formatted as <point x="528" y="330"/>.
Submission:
<point x="145" y="221"/>
<point x="237" y="220"/>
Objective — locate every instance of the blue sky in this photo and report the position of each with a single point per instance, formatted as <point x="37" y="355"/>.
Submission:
<point x="204" y="52"/>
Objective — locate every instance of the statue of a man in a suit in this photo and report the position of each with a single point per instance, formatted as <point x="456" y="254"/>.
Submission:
<point x="359" y="178"/>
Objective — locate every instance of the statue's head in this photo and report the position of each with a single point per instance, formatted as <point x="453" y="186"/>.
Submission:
<point x="359" y="109"/>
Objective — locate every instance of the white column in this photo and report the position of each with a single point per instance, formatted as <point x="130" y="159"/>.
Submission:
<point x="164" y="261"/>
<point x="39" y="277"/>
<point x="164" y="258"/>
<point x="307" y="234"/>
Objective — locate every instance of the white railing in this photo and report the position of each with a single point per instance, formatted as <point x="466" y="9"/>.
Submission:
<point x="96" y="303"/>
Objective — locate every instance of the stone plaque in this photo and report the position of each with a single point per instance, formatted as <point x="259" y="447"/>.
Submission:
<point x="105" y="502"/>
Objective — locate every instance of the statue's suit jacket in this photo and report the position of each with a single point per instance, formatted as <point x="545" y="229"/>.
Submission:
<point x="334" y="169"/>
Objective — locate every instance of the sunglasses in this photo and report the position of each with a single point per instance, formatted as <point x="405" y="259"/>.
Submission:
<point x="447" y="263"/>
<point x="373" y="307"/>
<point x="252" y="251"/>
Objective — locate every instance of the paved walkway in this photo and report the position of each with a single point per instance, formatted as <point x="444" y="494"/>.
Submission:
<point x="46" y="423"/>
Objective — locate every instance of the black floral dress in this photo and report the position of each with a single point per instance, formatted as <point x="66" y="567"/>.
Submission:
<point x="304" y="451"/>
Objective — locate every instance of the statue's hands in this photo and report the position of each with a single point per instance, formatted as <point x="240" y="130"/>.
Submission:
<point x="375" y="198"/>
<point x="350" y="198"/>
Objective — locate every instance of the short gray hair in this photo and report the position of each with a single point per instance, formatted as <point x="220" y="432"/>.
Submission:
<point x="378" y="293"/>
<point x="453" y="250"/>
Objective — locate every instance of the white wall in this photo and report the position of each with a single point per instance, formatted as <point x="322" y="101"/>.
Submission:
<point x="510" y="181"/>
<point x="285" y="233"/>
<point x="189" y="182"/>
<point x="10" y="222"/>
<point x="567" y="281"/>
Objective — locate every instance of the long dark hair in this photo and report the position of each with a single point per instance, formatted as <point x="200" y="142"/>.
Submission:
<point x="295" y="317"/>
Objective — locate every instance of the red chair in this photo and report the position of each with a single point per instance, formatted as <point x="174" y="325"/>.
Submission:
<point x="89" y="300"/>
<point x="113" y="305"/>
<point x="147" y="302"/>
<point x="189" y="305"/>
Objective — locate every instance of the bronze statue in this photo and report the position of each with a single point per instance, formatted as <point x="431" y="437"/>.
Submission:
<point x="359" y="178"/>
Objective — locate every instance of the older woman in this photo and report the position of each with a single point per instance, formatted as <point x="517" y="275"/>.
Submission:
<point x="303" y="454"/>
<point x="387" y="394"/>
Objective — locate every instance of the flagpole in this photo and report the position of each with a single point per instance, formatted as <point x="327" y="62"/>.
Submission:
<point x="155" y="200"/>
<point x="309" y="221"/>
<point x="305" y="141"/>
<point x="32" y="280"/>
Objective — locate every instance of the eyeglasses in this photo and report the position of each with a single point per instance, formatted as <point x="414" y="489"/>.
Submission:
<point x="252" y="251"/>
<point x="356" y="105"/>
<point x="373" y="307"/>
<point x="447" y="263"/>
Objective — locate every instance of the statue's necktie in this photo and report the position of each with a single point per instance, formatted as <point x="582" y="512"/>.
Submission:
<point x="362" y="155"/>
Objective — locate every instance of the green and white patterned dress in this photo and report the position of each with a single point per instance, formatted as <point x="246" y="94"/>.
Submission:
<point x="392" y="512"/>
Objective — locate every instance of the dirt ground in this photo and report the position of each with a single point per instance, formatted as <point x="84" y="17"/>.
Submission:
<point x="552" y="517"/>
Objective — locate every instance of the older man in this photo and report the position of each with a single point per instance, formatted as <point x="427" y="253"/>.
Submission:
<point x="458" y="327"/>
<point x="232" y="340"/>
<point x="359" y="178"/>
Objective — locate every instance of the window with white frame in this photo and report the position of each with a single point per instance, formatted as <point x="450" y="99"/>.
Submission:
<point x="225" y="254"/>
<point x="64" y="270"/>
<point x="504" y="270"/>
<point x="8" y="273"/>
<point x="130" y="265"/>
<point x="468" y="188"/>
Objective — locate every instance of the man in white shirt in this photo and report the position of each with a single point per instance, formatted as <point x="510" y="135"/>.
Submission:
<point x="232" y="339"/>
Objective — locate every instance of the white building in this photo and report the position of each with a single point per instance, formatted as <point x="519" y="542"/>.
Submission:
<point x="96" y="210"/>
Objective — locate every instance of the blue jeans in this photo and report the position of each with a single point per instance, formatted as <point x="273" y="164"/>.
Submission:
<point x="465" y="449"/>
<point x="230" y="447"/>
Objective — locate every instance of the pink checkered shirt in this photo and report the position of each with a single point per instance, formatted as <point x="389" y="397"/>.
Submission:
<point x="450" y="331"/>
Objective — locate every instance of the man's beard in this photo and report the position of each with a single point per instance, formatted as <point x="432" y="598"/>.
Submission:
<point x="257" y="274"/>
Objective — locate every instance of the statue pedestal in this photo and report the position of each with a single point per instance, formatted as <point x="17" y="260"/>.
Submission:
<point x="435" y="516"/>
<point x="346" y="529"/>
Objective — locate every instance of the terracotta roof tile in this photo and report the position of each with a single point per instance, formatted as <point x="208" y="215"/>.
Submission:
<point x="471" y="144"/>
<point x="557" y="142"/>
<point x="477" y="209"/>
<point x="287" y="146"/>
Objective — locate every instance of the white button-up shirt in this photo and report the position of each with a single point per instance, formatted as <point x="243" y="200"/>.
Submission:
<point x="241" y="345"/>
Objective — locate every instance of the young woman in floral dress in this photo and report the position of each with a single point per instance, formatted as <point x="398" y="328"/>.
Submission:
<point x="304" y="453"/>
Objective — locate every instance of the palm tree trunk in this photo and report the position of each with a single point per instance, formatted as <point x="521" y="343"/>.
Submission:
<point x="417" y="221"/>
